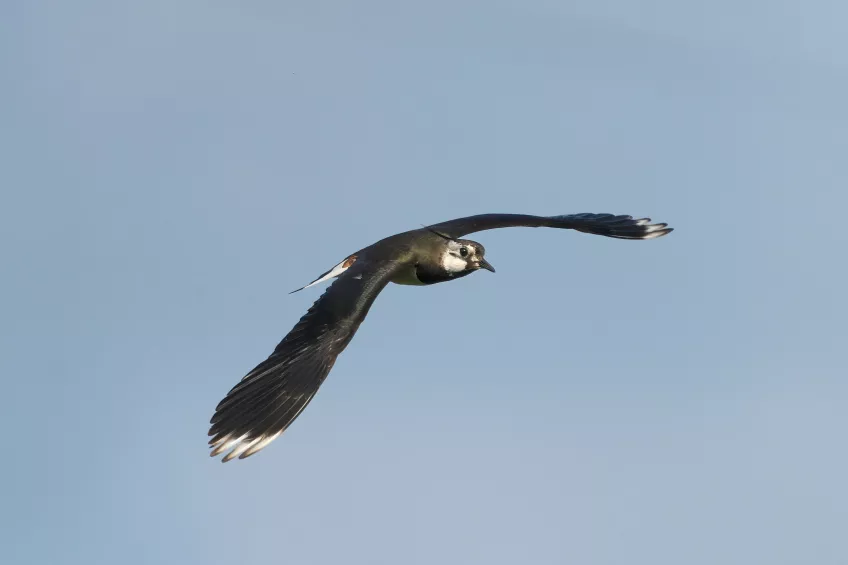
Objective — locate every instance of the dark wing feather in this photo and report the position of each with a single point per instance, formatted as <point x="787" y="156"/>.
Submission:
<point x="609" y="225"/>
<point x="273" y="394"/>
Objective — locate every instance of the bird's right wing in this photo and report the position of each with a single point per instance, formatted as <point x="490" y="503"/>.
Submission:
<point x="609" y="225"/>
<point x="272" y="395"/>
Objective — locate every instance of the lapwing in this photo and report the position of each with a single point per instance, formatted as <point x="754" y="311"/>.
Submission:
<point x="269" y="398"/>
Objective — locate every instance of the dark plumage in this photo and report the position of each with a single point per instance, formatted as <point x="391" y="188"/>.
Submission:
<point x="273" y="394"/>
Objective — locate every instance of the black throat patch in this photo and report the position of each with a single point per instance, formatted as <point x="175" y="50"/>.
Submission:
<point x="432" y="276"/>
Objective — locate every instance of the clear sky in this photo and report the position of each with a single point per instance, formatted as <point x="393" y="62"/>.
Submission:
<point x="170" y="170"/>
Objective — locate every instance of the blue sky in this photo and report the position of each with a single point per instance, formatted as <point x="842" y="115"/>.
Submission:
<point x="172" y="169"/>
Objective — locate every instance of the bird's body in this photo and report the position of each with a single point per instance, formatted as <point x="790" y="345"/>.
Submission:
<point x="268" y="399"/>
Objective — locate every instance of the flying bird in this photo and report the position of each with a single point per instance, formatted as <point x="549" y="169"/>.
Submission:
<point x="269" y="398"/>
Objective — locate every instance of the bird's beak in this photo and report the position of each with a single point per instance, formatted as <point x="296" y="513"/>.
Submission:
<point x="483" y="264"/>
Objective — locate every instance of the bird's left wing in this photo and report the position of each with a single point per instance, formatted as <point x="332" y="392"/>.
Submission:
<point x="609" y="225"/>
<point x="272" y="395"/>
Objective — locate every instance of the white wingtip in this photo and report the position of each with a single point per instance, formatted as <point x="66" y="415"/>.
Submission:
<point x="655" y="230"/>
<point x="241" y="447"/>
<point x="262" y="442"/>
<point x="224" y="444"/>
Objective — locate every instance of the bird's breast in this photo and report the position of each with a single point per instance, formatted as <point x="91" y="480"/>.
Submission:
<point x="409" y="276"/>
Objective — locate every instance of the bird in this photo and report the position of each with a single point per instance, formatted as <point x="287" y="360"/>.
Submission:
<point x="272" y="395"/>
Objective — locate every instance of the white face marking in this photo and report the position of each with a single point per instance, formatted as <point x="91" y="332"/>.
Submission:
<point x="453" y="261"/>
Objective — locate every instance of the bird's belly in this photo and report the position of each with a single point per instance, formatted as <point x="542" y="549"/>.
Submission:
<point x="408" y="276"/>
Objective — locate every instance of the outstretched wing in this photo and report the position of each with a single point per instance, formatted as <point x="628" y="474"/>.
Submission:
<point x="272" y="395"/>
<point x="609" y="225"/>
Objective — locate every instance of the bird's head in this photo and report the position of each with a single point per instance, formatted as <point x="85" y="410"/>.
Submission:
<point x="463" y="256"/>
<point x="460" y="257"/>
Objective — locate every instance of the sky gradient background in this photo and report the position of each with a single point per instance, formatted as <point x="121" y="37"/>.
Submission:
<point x="170" y="170"/>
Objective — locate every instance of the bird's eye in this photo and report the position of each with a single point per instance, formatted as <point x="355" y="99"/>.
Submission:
<point x="463" y="251"/>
